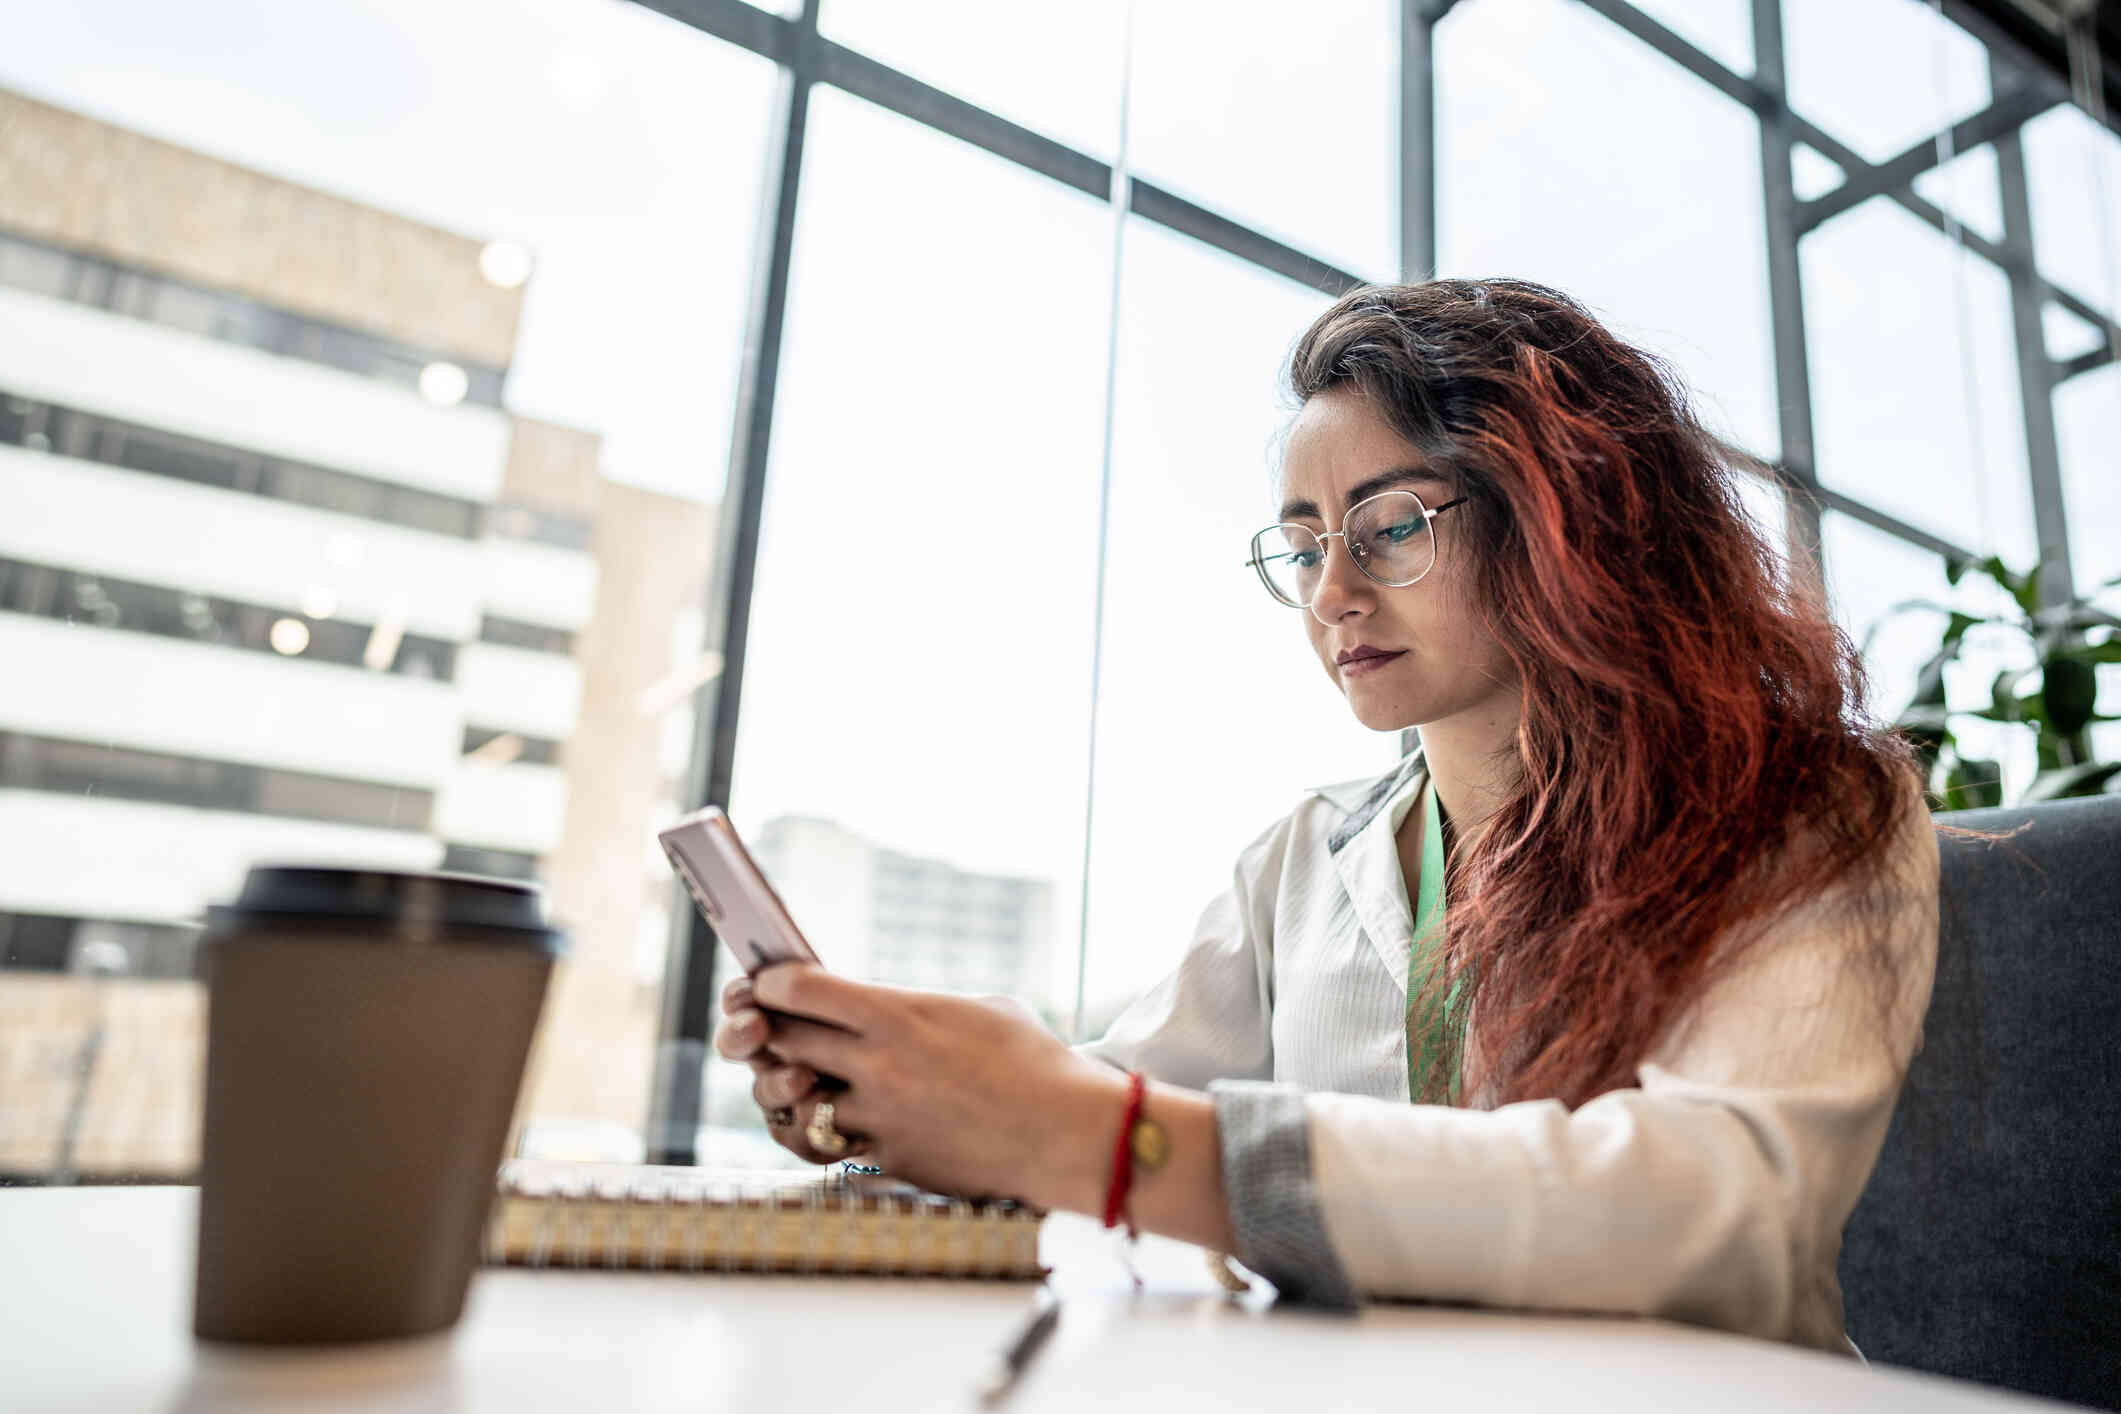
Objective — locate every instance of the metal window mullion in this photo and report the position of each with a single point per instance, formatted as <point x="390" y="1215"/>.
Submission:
<point x="676" y="1098"/>
<point x="2001" y="118"/>
<point x="1899" y="529"/>
<point x="1154" y="203"/>
<point x="1417" y="137"/>
<point x="1849" y="160"/>
<point x="823" y="61"/>
<point x="2085" y="362"/>
<point x="1718" y="76"/>
<point x="1763" y="99"/>
<point x="1417" y="164"/>
<point x="1793" y="375"/>
<point x="2036" y="374"/>
<point x="1998" y="42"/>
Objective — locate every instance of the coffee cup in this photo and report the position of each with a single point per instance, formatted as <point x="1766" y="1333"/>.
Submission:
<point x="366" y="1038"/>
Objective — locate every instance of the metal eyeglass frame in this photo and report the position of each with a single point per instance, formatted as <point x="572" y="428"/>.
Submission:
<point x="1428" y="515"/>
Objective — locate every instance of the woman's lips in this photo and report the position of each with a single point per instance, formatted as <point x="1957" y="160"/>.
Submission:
<point x="1356" y="667"/>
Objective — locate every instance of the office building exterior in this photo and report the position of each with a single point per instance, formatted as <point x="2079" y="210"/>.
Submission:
<point x="282" y="578"/>
<point x="892" y="917"/>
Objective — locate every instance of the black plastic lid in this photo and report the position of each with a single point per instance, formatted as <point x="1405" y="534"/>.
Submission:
<point x="471" y="907"/>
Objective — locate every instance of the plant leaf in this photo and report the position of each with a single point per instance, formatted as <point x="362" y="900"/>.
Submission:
<point x="2069" y="688"/>
<point x="2003" y="697"/>
<point x="2024" y="588"/>
<point x="2095" y="653"/>
<point x="1926" y="717"/>
<point x="2084" y="779"/>
<point x="1929" y="683"/>
<point x="1972" y="784"/>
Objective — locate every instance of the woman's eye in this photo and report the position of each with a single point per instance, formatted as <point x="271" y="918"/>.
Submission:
<point x="1401" y="533"/>
<point x="1304" y="559"/>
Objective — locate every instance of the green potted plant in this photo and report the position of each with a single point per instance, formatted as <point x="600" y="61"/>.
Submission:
<point x="2056" y="696"/>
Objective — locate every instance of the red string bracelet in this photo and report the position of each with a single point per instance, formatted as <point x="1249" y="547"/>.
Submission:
<point x="1123" y="1156"/>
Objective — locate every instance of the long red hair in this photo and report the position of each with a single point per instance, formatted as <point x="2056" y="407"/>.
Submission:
<point x="1689" y="712"/>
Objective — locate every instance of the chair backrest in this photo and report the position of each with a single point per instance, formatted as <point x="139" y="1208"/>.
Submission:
<point x="1988" y="1244"/>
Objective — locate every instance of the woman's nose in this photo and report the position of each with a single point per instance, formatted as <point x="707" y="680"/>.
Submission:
<point x="1342" y="588"/>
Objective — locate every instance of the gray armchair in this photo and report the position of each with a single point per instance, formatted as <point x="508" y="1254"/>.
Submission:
<point x="1988" y="1245"/>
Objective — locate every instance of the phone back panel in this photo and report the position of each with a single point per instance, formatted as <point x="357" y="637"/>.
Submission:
<point x="732" y="892"/>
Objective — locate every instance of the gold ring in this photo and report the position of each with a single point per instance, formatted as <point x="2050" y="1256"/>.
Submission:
<point x="822" y="1136"/>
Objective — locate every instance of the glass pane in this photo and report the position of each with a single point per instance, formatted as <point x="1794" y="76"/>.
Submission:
<point x="1283" y="117"/>
<point x="1880" y="75"/>
<point x="2073" y="167"/>
<point x="1721" y="29"/>
<point x="369" y="431"/>
<point x="1213" y="720"/>
<point x="1056" y="70"/>
<point x="2069" y="334"/>
<point x="912" y="751"/>
<point x="2087" y="430"/>
<point x="1555" y="163"/>
<point x="1967" y="187"/>
<point x="1770" y="510"/>
<point x="1870" y="575"/>
<point x="1915" y="381"/>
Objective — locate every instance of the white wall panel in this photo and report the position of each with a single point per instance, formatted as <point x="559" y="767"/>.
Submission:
<point x="131" y="525"/>
<point x="515" y="688"/>
<point x="542" y="584"/>
<point x="520" y="807"/>
<point x="142" y="372"/>
<point x="197" y="699"/>
<point x="142" y="862"/>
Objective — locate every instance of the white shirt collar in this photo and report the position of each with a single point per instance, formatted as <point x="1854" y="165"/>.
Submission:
<point x="1365" y="852"/>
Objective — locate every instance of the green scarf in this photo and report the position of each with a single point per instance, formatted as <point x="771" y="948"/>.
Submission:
<point x="1438" y="1031"/>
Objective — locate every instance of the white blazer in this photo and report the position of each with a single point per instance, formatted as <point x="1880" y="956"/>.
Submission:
<point x="1713" y="1191"/>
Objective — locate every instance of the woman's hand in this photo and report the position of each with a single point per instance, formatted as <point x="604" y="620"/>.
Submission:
<point x="778" y="1085"/>
<point x="954" y="1094"/>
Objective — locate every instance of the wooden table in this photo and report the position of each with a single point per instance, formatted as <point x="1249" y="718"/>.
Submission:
<point x="95" y="1314"/>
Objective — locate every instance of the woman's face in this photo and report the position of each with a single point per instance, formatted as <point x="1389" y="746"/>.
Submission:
<point x="1444" y="661"/>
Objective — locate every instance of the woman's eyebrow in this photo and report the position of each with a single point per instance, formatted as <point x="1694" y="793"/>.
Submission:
<point x="1363" y="490"/>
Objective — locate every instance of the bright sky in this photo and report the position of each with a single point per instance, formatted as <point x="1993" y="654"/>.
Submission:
<point x="921" y="646"/>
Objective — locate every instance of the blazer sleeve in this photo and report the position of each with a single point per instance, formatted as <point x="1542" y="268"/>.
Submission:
<point x="1714" y="1191"/>
<point x="1212" y="1017"/>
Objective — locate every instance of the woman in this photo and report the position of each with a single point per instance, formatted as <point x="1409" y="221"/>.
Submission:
<point x="1647" y="925"/>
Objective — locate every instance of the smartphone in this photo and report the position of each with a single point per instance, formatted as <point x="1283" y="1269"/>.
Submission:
<point x="731" y="891"/>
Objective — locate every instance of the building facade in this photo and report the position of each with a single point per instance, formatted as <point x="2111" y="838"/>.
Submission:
<point x="913" y="922"/>
<point x="282" y="578"/>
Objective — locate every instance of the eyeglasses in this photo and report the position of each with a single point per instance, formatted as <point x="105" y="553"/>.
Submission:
<point x="1391" y="537"/>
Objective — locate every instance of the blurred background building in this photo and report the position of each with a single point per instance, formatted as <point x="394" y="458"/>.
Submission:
<point x="910" y="921"/>
<point x="914" y="382"/>
<point x="281" y="578"/>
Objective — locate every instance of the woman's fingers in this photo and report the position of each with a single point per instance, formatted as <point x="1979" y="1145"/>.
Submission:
<point x="741" y="1034"/>
<point x="821" y="1048"/>
<point x="794" y="1136"/>
<point x="780" y="1085"/>
<point x="804" y="989"/>
<point x="737" y="995"/>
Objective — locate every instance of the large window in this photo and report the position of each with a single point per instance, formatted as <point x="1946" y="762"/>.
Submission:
<point x="1915" y="381"/>
<point x="1280" y="116"/>
<point x="1534" y="153"/>
<point x="911" y="755"/>
<point x="363" y="397"/>
<point x="1214" y="714"/>
<point x="484" y="431"/>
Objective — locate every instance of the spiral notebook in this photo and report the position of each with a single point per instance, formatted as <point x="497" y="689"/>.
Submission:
<point x="555" y="1214"/>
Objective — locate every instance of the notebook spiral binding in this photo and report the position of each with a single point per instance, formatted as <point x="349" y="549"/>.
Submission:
<point x="617" y="1216"/>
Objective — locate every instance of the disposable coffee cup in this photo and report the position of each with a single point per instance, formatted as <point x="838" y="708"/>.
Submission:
<point x="366" y="1037"/>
